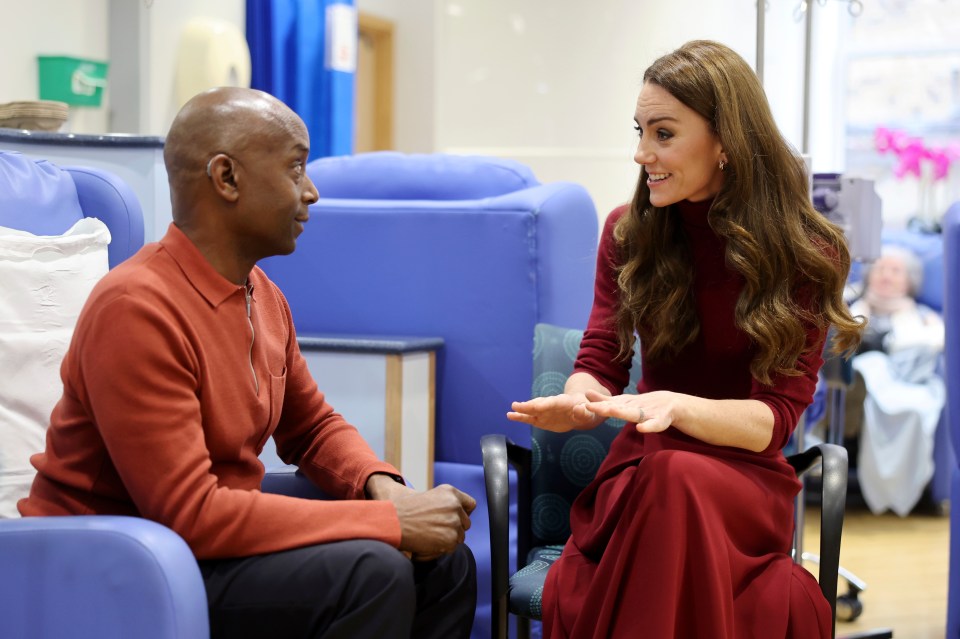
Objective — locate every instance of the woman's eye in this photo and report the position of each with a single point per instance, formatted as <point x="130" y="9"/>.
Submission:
<point x="663" y="135"/>
<point x="636" y="127"/>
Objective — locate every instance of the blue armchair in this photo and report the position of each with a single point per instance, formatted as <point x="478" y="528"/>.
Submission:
<point x="97" y="577"/>
<point x="89" y="576"/>
<point x="470" y="249"/>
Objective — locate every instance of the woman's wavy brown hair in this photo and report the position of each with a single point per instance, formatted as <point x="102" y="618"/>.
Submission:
<point x="793" y="260"/>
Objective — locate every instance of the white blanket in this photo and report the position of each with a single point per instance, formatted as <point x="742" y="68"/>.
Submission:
<point x="901" y="412"/>
<point x="45" y="280"/>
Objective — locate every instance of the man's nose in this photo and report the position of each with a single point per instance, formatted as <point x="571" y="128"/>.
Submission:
<point x="310" y="194"/>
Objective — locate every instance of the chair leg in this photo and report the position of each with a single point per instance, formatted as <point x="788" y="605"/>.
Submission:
<point x="523" y="628"/>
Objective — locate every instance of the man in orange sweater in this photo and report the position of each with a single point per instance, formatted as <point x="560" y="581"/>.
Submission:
<point x="185" y="360"/>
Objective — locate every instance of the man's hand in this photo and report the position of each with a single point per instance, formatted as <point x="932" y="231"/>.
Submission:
<point x="432" y="523"/>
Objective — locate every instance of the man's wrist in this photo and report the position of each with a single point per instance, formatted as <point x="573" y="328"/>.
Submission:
<point x="381" y="485"/>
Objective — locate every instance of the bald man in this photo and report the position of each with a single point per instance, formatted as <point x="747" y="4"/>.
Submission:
<point x="185" y="360"/>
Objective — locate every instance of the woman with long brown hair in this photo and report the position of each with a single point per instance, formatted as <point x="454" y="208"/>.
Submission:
<point x="730" y="279"/>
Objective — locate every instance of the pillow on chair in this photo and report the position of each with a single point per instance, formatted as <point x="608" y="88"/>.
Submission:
<point x="51" y="192"/>
<point x="46" y="280"/>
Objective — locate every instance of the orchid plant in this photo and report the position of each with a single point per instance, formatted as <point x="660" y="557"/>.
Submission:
<point x="929" y="164"/>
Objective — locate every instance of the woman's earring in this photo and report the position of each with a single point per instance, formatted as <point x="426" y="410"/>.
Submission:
<point x="722" y="164"/>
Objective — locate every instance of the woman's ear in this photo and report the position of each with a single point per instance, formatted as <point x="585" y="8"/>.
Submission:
<point x="221" y="169"/>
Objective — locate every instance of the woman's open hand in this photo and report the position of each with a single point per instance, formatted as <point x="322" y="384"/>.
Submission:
<point x="651" y="412"/>
<point x="557" y="413"/>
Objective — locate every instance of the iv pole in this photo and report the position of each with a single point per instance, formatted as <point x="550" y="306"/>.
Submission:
<point x="760" y="35"/>
<point x="807" y="45"/>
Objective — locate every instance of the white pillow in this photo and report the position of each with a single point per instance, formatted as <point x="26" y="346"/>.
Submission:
<point x="46" y="280"/>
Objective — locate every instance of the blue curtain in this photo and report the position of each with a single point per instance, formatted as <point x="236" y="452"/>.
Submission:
<point x="290" y="54"/>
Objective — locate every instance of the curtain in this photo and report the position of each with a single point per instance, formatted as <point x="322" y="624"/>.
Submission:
<point x="304" y="53"/>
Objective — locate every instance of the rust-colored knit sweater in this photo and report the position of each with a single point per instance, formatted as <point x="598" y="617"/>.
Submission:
<point x="172" y="383"/>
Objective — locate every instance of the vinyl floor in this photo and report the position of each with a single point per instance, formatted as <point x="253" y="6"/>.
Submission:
<point x="904" y="563"/>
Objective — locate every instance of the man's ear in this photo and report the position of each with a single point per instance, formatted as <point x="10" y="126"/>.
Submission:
<point x="221" y="169"/>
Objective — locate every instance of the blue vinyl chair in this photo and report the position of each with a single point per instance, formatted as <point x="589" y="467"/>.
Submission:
<point x="95" y="577"/>
<point x="471" y="249"/>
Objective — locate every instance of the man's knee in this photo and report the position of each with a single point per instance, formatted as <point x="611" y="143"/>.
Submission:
<point x="380" y="567"/>
<point x="463" y="565"/>
<point x="447" y="595"/>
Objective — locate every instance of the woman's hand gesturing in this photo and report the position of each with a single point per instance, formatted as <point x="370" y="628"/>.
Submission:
<point x="557" y="413"/>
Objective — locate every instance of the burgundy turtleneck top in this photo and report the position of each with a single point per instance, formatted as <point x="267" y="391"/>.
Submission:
<point x="716" y="365"/>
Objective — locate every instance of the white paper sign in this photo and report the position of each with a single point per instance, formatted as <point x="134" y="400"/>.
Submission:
<point x="341" y="50"/>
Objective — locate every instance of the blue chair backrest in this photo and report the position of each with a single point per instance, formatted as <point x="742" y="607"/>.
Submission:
<point x="44" y="199"/>
<point x="479" y="273"/>
<point x="388" y="175"/>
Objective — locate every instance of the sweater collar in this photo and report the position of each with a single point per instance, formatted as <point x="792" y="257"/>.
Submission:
<point x="694" y="214"/>
<point x="213" y="286"/>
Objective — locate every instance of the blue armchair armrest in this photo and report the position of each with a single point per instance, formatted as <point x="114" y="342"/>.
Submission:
<point x="98" y="577"/>
<point x="291" y="482"/>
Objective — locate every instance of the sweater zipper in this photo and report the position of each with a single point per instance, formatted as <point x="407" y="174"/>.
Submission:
<point x="248" y="290"/>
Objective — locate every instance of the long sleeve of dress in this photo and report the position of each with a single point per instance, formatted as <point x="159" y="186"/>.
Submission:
<point x="716" y="364"/>
<point x="599" y="347"/>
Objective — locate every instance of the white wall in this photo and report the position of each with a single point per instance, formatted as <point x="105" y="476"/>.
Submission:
<point x="552" y="83"/>
<point x="166" y="21"/>
<point x="151" y="31"/>
<point x="144" y="41"/>
<point x="51" y="27"/>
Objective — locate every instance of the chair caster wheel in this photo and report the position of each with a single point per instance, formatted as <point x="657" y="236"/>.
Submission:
<point x="848" y="607"/>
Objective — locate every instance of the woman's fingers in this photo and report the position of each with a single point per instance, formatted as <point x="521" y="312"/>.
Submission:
<point x="626" y="407"/>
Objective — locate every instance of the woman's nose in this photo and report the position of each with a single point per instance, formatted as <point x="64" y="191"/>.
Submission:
<point x="641" y="156"/>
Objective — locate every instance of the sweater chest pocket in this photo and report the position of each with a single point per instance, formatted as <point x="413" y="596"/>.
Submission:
<point x="278" y="385"/>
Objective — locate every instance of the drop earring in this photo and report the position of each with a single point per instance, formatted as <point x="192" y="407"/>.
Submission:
<point x="722" y="164"/>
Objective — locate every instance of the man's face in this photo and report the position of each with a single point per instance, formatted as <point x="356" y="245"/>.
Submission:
<point x="275" y="191"/>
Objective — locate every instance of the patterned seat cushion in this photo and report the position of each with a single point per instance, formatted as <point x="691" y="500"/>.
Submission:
<point x="526" y="585"/>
